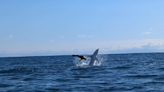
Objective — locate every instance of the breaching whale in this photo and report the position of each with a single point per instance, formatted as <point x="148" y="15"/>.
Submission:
<point x="94" y="57"/>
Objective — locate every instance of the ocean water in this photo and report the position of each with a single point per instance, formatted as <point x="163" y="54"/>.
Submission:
<point x="116" y="73"/>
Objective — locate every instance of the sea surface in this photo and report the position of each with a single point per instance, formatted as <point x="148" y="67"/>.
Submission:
<point x="116" y="73"/>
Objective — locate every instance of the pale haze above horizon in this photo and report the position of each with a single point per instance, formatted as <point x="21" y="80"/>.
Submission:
<point x="65" y="27"/>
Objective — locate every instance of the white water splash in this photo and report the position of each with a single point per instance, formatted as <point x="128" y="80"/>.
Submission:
<point x="82" y="62"/>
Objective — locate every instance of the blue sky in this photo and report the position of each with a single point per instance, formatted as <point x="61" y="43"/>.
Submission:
<point x="61" y="27"/>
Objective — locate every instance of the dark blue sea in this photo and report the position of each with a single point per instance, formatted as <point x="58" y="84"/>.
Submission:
<point x="116" y="73"/>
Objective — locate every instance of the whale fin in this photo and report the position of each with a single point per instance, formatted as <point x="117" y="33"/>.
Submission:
<point x="94" y="57"/>
<point x="97" y="60"/>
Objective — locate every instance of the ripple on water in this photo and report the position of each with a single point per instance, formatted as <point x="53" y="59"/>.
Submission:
<point x="161" y="68"/>
<point x="53" y="89"/>
<point x="28" y="79"/>
<point x="5" y="85"/>
<point x="121" y="67"/>
<point x="123" y="88"/>
<point x="154" y="82"/>
<point x="140" y="76"/>
<point x="16" y="70"/>
<point x="161" y="78"/>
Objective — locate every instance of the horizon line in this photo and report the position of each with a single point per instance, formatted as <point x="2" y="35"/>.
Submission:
<point x="80" y="54"/>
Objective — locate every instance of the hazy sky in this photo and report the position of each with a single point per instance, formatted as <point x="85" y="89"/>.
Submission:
<point x="60" y="27"/>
